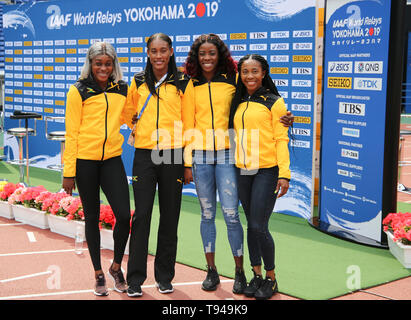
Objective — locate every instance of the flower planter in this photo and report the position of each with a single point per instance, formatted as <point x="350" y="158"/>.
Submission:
<point x="6" y="210"/>
<point x="30" y="216"/>
<point x="63" y="226"/>
<point x="399" y="250"/>
<point x="107" y="241"/>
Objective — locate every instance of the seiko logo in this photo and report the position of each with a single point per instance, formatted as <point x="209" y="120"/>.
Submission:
<point x="357" y="109"/>
<point x="339" y="83"/>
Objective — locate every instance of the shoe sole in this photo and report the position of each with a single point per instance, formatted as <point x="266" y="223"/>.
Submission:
<point x="101" y="294"/>
<point x="249" y="295"/>
<point x="114" y="280"/>
<point x="133" y="295"/>
<point x="210" y="289"/>
<point x="164" y="291"/>
<point x="238" y="291"/>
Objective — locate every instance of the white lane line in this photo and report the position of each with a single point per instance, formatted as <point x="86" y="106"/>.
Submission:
<point x="26" y="276"/>
<point x="36" y="252"/>
<point x="36" y="295"/>
<point x="46" y="294"/>
<point x="31" y="237"/>
<point x="11" y="224"/>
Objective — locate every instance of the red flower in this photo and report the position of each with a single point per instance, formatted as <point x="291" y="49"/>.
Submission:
<point x="399" y="224"/>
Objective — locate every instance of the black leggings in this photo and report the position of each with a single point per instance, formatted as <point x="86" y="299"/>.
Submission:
<point x="111" y="177"/>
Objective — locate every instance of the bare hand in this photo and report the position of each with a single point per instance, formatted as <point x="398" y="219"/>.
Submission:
<point x="134" y="119"/>
<point x="288" y="119"/>
<point x="188" y="175"/>
<point x="282" y="187"/>
<point x="69" y="185"/>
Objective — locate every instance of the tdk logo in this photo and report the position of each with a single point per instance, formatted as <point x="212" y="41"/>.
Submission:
<point x="356" y="109"/>
<point x="374" y="84"/>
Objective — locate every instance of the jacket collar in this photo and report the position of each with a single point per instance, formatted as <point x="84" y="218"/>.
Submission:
<point x="90" y="83"/>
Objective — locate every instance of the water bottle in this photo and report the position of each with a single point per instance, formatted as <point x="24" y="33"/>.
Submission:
<point x="78" y="241"/>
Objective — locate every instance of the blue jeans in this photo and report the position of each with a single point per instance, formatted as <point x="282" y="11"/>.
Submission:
<point x="213" y="171"/>
<point x="257" y="197"/>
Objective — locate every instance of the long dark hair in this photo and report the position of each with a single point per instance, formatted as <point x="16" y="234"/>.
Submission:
<point x="172" y="67"/>
<point x="226" y="64"/>
<point x="241" y="90"/>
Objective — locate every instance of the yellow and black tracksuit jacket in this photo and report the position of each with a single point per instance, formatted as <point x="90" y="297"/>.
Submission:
<point x="93" y="120"/>
<point x="162" y="123"/>
<point x="209" y="114"/>
<point x="261" y="140"/>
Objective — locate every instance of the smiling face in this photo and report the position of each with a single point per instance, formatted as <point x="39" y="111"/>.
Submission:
<point x="208" y="59"/>
<point x="252" y="75"/>
<point x="102" y="68"/>
<point x="159" y="53"/>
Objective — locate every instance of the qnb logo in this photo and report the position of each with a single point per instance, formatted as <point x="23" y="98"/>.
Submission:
<point x="374" y="84"/>
<point x="375" y="67"/>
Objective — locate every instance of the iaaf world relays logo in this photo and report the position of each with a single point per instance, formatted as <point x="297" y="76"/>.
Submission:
<point x="191" y="10"/>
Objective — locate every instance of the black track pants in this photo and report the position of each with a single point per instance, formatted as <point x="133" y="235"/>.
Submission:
<point x="152" y="168"/>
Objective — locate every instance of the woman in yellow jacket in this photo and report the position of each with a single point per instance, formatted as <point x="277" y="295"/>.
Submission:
<point x="213" y="74"/>
<point x="263" y="161"/>
<point x="95" y="110"/>
<point x="160" y="98"/>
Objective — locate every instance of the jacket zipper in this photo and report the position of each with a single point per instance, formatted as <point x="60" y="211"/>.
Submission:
<point x="158" y="114"/>
<point x="105" y="138"/>
<point x="242" y="135"/>
<point x="212" y="114"/>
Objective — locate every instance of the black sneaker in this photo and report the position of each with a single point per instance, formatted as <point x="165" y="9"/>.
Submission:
<point x="134" y="290"/>
<point x="254" y="285"/>
<point x="240" y="282"/>
<point x="211" y="281"/>
<point x="267" y="289"/>
<point x="165" y="287"/>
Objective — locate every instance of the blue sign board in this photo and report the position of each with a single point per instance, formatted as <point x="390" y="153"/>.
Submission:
<point x="46" y="43"/>
<point x="354" y="115"/>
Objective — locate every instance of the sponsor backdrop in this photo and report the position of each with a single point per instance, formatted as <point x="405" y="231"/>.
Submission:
<point x="46" y="42"/>
<point x="354" y="115"/>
